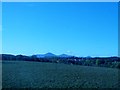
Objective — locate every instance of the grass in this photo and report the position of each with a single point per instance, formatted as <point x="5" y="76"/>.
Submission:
<point x="23" y="74"/>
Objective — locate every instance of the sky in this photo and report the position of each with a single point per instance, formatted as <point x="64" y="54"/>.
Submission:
<point x="80" y="29"/>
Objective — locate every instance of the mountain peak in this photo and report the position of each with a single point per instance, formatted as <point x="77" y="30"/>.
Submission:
<point x="64" y="55"/>
<point x="49" y="54"/>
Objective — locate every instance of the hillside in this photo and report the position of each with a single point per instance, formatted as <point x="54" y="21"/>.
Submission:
<point x="23" y="74"/>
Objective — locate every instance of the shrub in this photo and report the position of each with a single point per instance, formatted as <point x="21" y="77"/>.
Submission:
<point x="118" y="65"/>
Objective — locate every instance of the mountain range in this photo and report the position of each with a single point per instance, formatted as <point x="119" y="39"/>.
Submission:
<point x="52" y="55"/>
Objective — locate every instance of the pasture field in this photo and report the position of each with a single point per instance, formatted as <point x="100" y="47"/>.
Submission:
<point x="24" y="74"/>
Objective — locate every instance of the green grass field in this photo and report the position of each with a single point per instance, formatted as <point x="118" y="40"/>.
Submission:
<point x="23" y="74"/>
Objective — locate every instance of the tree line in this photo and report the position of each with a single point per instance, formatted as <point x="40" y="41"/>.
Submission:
<point x="112" y="62"/>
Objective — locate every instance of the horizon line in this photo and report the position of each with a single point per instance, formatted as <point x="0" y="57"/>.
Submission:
<point x="61" y="54"/>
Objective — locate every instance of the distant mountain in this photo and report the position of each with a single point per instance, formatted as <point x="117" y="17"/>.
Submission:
<point x="46" y="55"/>
<point x="52" y="55"/>
<point x="49" y="55"/>
<point x="64" y="55"/>
<point x="40" y="55"/>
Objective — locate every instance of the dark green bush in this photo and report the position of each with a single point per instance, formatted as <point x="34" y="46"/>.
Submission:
<point x="118" y="65"/>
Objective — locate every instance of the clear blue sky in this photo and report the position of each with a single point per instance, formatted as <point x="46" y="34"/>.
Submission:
<point x="81" y="29"/>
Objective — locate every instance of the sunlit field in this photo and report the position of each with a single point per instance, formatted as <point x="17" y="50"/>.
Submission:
<point x="23" y="74"/>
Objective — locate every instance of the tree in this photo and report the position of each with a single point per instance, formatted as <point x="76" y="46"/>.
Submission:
<point x="118" y="65"/>
<point x="97" y="62"/>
